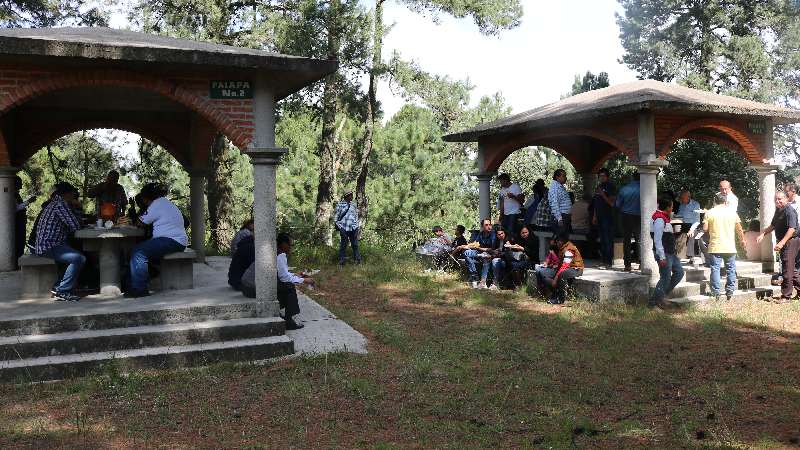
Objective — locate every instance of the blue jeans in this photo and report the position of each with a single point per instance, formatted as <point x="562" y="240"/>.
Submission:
<point x="471" y="258"/>
<point x="730" y="269"/>
<point x="670" y="275"/>
<point x="154" y="248"/>
<point x="64" y="254"/>
<point x="499" y="265"/>
<point x="344" y="237"/>
<point x="605" y="230"/>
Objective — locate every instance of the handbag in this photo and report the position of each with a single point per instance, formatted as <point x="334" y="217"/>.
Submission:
<point x="336" y="223"/>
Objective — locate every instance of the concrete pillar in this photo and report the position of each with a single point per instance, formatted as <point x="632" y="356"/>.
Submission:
<point x="264" y="157"/>
<point x="8" y="203"/>
<point x="649" y="167"/>
<point x="197" y="205"/>
<point x="766" y="209"/>
<point x="484" y="200"/>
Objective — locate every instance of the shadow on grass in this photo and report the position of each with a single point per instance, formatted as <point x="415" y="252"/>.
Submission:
<point x="451" y="367"/>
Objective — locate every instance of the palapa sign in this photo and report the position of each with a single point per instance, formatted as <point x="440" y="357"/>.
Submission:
<point x="757" y="127"/>
<point x="231" y="90"/>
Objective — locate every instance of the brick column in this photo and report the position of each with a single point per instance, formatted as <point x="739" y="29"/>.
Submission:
<point x="8" y="203"/>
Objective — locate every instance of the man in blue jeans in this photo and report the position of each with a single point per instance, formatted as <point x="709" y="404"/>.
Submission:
<point x="169" y="235"/>
<point x="477" y="251"/>
<point x="723" y="225"/>
<point x="347" y="224"/>
<point x="669" y="265"/>
<point x="56" y="223"/>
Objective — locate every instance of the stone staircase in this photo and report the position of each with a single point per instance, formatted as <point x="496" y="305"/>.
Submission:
<point x="752" y="284"/>
<point x="52" y="348"/>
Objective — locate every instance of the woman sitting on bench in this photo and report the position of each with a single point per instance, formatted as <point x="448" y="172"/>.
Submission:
<point x="556" y="282"/>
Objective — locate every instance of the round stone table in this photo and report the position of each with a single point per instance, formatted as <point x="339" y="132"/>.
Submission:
<point x="109" y="242"/>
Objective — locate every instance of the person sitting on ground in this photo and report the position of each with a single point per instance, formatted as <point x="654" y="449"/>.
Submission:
<point x="54" y="225"/>
<point x="287" y="293"/>
<point x="245" y="231"/>
<point x="169" y="236"/>
<point x="496" y="253"/>
<point x="570" y="266"/>
<point x="580" y="215"/>
<point x="477" y="253"/>
<point x="669" y="266"/>
<point x="516" y="257"/>
<point x="109" y="191"/>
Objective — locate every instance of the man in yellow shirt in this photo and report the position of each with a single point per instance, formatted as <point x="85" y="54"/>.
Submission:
<point x="722" y="225"/>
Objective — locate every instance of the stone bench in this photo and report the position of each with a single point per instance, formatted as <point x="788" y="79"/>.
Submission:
<point x="605" y="286"/>
<point x="177" y="270"/>
<point x="38" y="275"/>
<point x="544" y="238"/>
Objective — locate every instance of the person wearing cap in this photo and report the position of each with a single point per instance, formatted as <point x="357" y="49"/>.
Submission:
<point x="55" y="224"/>
<point x="109" y="191"/>
<point x="169" y="236"/>
<point x="347" y="224"/>
<point x="509" y="202"/>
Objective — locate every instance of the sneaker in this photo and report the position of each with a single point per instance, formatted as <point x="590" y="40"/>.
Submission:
<point x="474" y="284"/>
<point x="602" y="267"/>
<point x="291" y="324"/>
<point x="482" y="285"/>
<point x="66" y="297"/>
<point x="493" y="287"/>
<point x="555" y="301"/>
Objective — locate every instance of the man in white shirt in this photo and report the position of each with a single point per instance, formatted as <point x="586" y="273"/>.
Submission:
<point x="169" y="236"/>
<point x="791" y="194"/>
<point x="732" y="201"/>
<point x="509" y="202"/>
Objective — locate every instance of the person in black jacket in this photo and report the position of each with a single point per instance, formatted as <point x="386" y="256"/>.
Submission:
<point x="243" y="258"/>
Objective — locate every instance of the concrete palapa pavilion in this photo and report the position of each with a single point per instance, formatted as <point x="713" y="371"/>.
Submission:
<point x="642" y="120"/>
<point x="177" y="93"/>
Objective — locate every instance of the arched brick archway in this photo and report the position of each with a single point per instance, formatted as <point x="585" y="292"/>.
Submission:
<point x="46" y="137"/>
<point x="733" y="137"/>
<point x="555" y="138"/>
<point x="235" y="122"/>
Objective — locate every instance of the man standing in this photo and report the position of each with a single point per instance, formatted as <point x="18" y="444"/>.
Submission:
<point x="784" y="223"/>
<point x="560" y="204"/>
<point x="603" y="217"/>
<point x="169" y="235"/>
<point x="477" y="251"/>
<point x="347" y="224"/>
<point x="109" y="191"/>
<point x="669" y="266"/>
<point x="790" y="189"/>
<point x="56" y="223"/>
<point x="731" y="200"/>
<point x="689" y="212"/>
<point x="722" y="225"/>
<point x="509" y="202"/>
<point x="628" y="202"/>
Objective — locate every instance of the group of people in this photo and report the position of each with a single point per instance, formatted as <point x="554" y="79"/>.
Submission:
<point x="61" y="217"/>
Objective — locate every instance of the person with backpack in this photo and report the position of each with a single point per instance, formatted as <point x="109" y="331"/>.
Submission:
<point x="347" y="224"/>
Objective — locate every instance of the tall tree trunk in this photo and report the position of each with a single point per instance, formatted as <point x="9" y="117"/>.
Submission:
<point x="326" y="189"/>
<point x="372" y="106"/>
<point x="218" y="196"/>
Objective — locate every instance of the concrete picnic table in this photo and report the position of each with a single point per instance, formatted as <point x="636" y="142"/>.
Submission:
<point x="109" y="242"/>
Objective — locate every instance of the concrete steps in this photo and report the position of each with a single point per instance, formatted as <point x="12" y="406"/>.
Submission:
<point x="751" y="282"/>
<point x="64" y="366"/>
<point x="73" y="342"/>
<point x="51" y="348"/>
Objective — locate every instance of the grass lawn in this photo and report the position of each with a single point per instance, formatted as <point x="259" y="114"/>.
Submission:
<point x="451" y="367"/>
